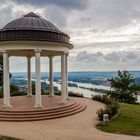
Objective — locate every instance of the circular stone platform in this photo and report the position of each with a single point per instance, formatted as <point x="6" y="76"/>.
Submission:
<point x="23" y="109"/>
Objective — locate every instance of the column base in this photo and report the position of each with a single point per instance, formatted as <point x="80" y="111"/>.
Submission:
<point x="68" y="98"/>
<point x="63" y="102"/>
<point x="51" y="95"/>
<point x="29" y="95"/>
<point x="38" y="106"/>
<point x="6" y="106"/>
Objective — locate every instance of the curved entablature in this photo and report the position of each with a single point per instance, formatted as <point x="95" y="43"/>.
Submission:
<point x="33" y="35"/>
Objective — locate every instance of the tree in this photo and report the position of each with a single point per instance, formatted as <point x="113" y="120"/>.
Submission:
<point x="123" y="87"/>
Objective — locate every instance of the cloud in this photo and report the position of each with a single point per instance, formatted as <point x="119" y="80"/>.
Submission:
<point x="105" y="33"/>
<point x="68" y="4"/>
<point x="99" y="62"/>
<point x="87" y="57"/>
<point x="115" y="13"/>
<point x="57" y="16"/>
<point x="9" y="10"/>
<point x="109" y="20"/>
<point x="5" y="10"/>
<point x="56" y="11"/>
<point x="85" y="61"/>
<point x="114" y="56"/>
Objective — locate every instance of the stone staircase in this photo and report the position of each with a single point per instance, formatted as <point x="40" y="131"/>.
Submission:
<point x="41" y="114"/>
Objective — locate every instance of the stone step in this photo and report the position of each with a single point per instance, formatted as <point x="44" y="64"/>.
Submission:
<point x="38" y="118"/>
<point x="39" y="110"/>
<point x="40" y="114"/>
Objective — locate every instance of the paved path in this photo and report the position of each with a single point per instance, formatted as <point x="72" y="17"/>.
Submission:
<point x="76" y="127"/>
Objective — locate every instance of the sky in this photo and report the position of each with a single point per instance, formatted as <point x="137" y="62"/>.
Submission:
<point x="105" y="33"/>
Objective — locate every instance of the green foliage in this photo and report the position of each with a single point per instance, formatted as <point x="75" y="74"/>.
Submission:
<point x="45" y="89"/>
<point x="57" y="93"/>
<point x="1" y="93"/>
<point x="100" y="113"/>
<point x="114" y="109"/>
<point x="127" y="122"/>
<point x="14" y="91"/>
<point x="74" y="94"/>
<point x="33" y="89"/>
<point x="18" y="93"/>
<point x="123" y="88"/>
<point x="102" y="98"/>
<point x="111" y="110"/>
<point x="14" y="88"/>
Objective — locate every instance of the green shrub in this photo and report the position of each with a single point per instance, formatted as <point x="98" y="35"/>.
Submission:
<point x="57" y="92"/>
<point x="14" y="91"/>
<point x="102" y="98"/>
<point x="97" y="97"/>
<point x="111" y="110"/>
<point x="108" y="111"/>
<point x="14" y="88"/>
<point x="1" y="93"/>
<point x="74" y="94"/>
<point x="114" y="109"/>
<point x="18" y="93"/>
<point x="100" y="113"/>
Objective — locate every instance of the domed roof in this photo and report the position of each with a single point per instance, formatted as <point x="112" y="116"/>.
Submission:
<point x="32" y="27"/>
<point x="31" y="21"/>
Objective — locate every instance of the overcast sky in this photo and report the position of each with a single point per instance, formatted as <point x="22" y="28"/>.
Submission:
<point x="105" y="33"/>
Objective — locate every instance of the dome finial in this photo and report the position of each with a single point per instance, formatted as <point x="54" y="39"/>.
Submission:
<point x="31" y="14"/>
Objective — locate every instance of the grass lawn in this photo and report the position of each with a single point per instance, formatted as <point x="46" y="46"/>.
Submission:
<point x="127" y="122"/>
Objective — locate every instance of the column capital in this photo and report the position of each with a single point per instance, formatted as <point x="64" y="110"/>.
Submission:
<point x="3" y="51"/>
<point x="50" y="56"/>
<point x="65" y="53"/>
<point x="37" y="50"/>
<point x="29" y="56"/>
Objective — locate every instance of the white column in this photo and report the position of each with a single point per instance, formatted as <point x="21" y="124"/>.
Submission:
<point x="38" y="102"/>
<point x="63" y="80"/>
<point x="29" y="76"/>
<point x="6" y="80"/>
<point x="51" y="90"/>
<point x="66" y="61"/>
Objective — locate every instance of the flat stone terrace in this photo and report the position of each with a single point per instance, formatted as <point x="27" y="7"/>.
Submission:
<point x="25" y="103"/>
